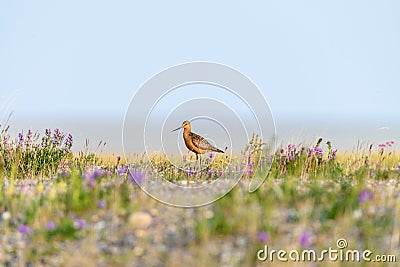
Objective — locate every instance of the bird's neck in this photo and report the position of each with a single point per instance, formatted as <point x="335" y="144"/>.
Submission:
<point x="186" y="132"/>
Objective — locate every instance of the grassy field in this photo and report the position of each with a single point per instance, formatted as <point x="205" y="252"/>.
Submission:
<point x="86" y="209"/>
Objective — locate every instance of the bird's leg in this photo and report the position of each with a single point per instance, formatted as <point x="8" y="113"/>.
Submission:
<point x="200" y="163"/>
<point x="197" y="159"/>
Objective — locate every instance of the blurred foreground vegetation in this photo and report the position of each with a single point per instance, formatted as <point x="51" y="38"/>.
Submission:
<point x="59" y="208"/>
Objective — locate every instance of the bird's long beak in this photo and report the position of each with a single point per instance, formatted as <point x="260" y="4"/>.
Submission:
<point x="177" y="129"/>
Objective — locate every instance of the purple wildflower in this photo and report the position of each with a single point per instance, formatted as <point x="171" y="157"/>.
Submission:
<point x="365" y="195"/>
<point x="305" y="239"/>
<point x="136" y="177"/>
<point x="263" y="237"/>
<point x="51" y="225"/>
<point x="98" y="173"/>
<point x="29" y="137"/>
<point x="55" y="141"/>
<point x="291" y="148"/>
<point x="92" y="175"/>
<point x="398" y="167"/>
<point x="190" y="172"/>
<point x="68" y="143"/>
<point x="118" y="159"/>
<point x="290" y="153"/>
<point x="211" y="155"/>
<point x="210" y="172"/>
<point x="382" y="145"/>
<point x="57" y="137"/>
<point x="79" y="223"/>
<point x="64" y="173"/>
<point x="309" y="152"/>
<point x="250" y="168"/>
<point x="332" y="155"/>
<point x="318" y="152"/>
<point x="121" y="170"/>
<point x="20" y="139"/>
<point x="57" y="132"/>
<point x="101" y="204"/>
<point x="24" y="229"/>
<point x="184" y="158"/>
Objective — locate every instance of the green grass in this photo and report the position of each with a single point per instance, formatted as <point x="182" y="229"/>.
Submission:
<point x="88" y="201"/>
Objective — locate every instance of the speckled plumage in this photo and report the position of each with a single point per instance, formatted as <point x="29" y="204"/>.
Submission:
<point x="195" y="142"/>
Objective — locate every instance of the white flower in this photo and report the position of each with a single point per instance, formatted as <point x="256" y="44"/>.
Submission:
<point x="6" y="215"/>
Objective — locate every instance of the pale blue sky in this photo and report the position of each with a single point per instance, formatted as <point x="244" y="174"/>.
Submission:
<point x="313" y="59"/>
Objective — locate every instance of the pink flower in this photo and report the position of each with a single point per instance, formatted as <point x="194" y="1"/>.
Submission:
<point x="51" y="225"/>
<point x="263" y="237"/>
<point x="80" y="223"/>
<point x="365" y="195"/>
<point x="305" y="239"/>
<point x="24" y="229"/>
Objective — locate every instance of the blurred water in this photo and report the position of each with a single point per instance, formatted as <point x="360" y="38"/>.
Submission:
<point x="345" y="133"/>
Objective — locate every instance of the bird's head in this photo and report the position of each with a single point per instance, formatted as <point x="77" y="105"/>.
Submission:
<point x="185" y="125"/>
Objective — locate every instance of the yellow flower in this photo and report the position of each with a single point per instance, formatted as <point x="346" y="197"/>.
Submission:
<point x="40" y="188"/>
<point x="62" y="187"/>
<point x="52" y="193"/>
<point x="10" y="189"/>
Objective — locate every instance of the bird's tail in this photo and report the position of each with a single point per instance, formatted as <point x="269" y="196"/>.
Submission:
<point x="218" y="150"/>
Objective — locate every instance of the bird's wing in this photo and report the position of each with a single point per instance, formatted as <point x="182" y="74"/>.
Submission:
<point x="200" y="142"/>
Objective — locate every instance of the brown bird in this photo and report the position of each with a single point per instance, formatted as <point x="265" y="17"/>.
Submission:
<point x="195" y="142"/>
